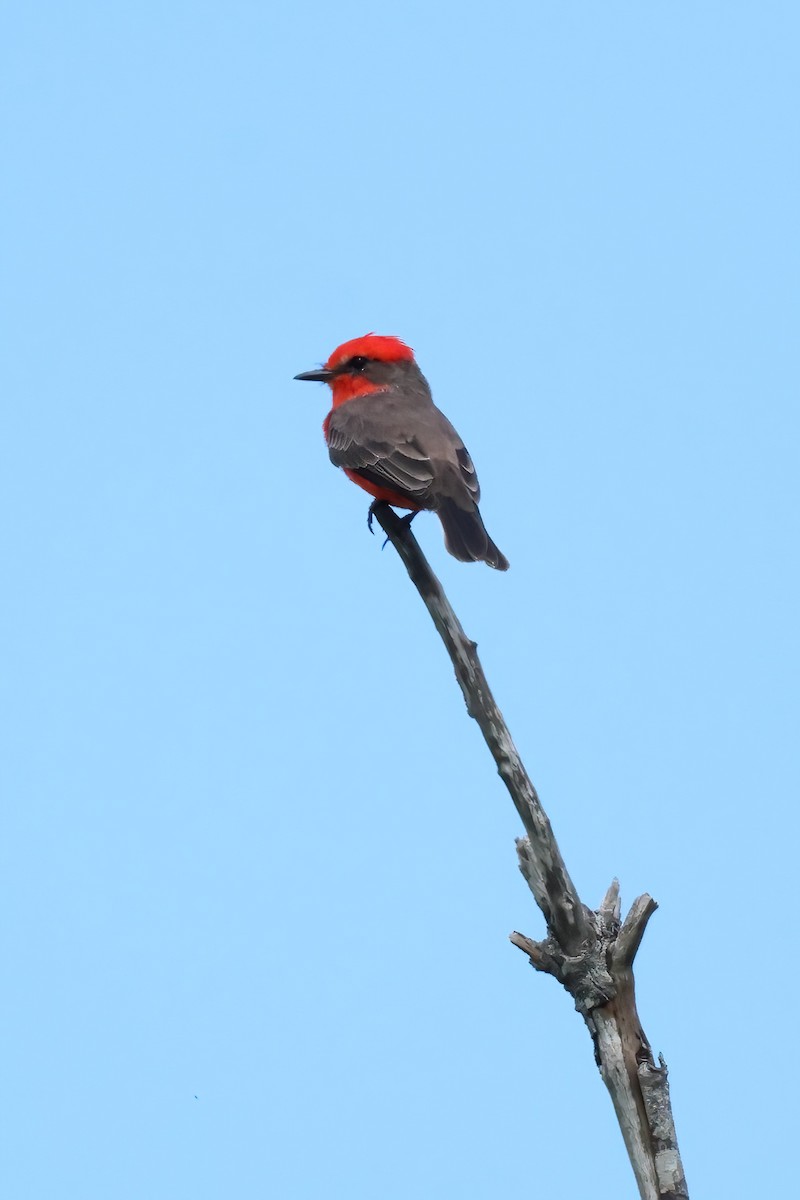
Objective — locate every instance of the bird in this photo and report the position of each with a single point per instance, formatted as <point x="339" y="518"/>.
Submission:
<point x="389" y="437"/>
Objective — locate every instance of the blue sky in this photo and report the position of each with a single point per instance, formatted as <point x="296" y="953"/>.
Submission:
<point x="257" y="869"/>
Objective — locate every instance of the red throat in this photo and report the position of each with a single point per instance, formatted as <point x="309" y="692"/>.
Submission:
<point x="348" y="387"/>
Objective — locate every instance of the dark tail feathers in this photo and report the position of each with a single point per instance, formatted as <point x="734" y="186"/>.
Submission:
<point x="465" y="535"/>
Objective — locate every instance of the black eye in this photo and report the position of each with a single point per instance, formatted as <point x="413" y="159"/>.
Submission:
<point x="358" y="363"/>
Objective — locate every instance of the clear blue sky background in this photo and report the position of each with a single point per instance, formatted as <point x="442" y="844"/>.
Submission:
<point x="257" y="870"/>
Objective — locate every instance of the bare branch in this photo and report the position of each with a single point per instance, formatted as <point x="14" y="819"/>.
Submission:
<point x="590" y="952"/>
<point x="544" y="867"/>
<point x="654" y="1082"/>
<point x="632" y="931"/>
<point x="610" y="904"/>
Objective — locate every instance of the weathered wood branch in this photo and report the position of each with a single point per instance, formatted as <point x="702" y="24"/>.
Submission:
<point x="590" y="952"/>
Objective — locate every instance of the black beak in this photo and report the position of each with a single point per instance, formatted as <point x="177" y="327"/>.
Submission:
<point x="321" y="375"/>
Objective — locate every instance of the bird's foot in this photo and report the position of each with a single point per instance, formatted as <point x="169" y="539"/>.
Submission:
<point x="406" y="520"/>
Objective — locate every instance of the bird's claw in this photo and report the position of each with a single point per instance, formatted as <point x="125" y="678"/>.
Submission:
<point x="406" y="520"/>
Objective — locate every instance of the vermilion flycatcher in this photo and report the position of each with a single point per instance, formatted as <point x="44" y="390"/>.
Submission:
<point x="390" y="438"/>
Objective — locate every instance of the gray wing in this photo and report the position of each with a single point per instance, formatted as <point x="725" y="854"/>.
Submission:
<point x="409" y="448"/>
<point x="381" y="450"/>
<point x="467" y="473"/>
